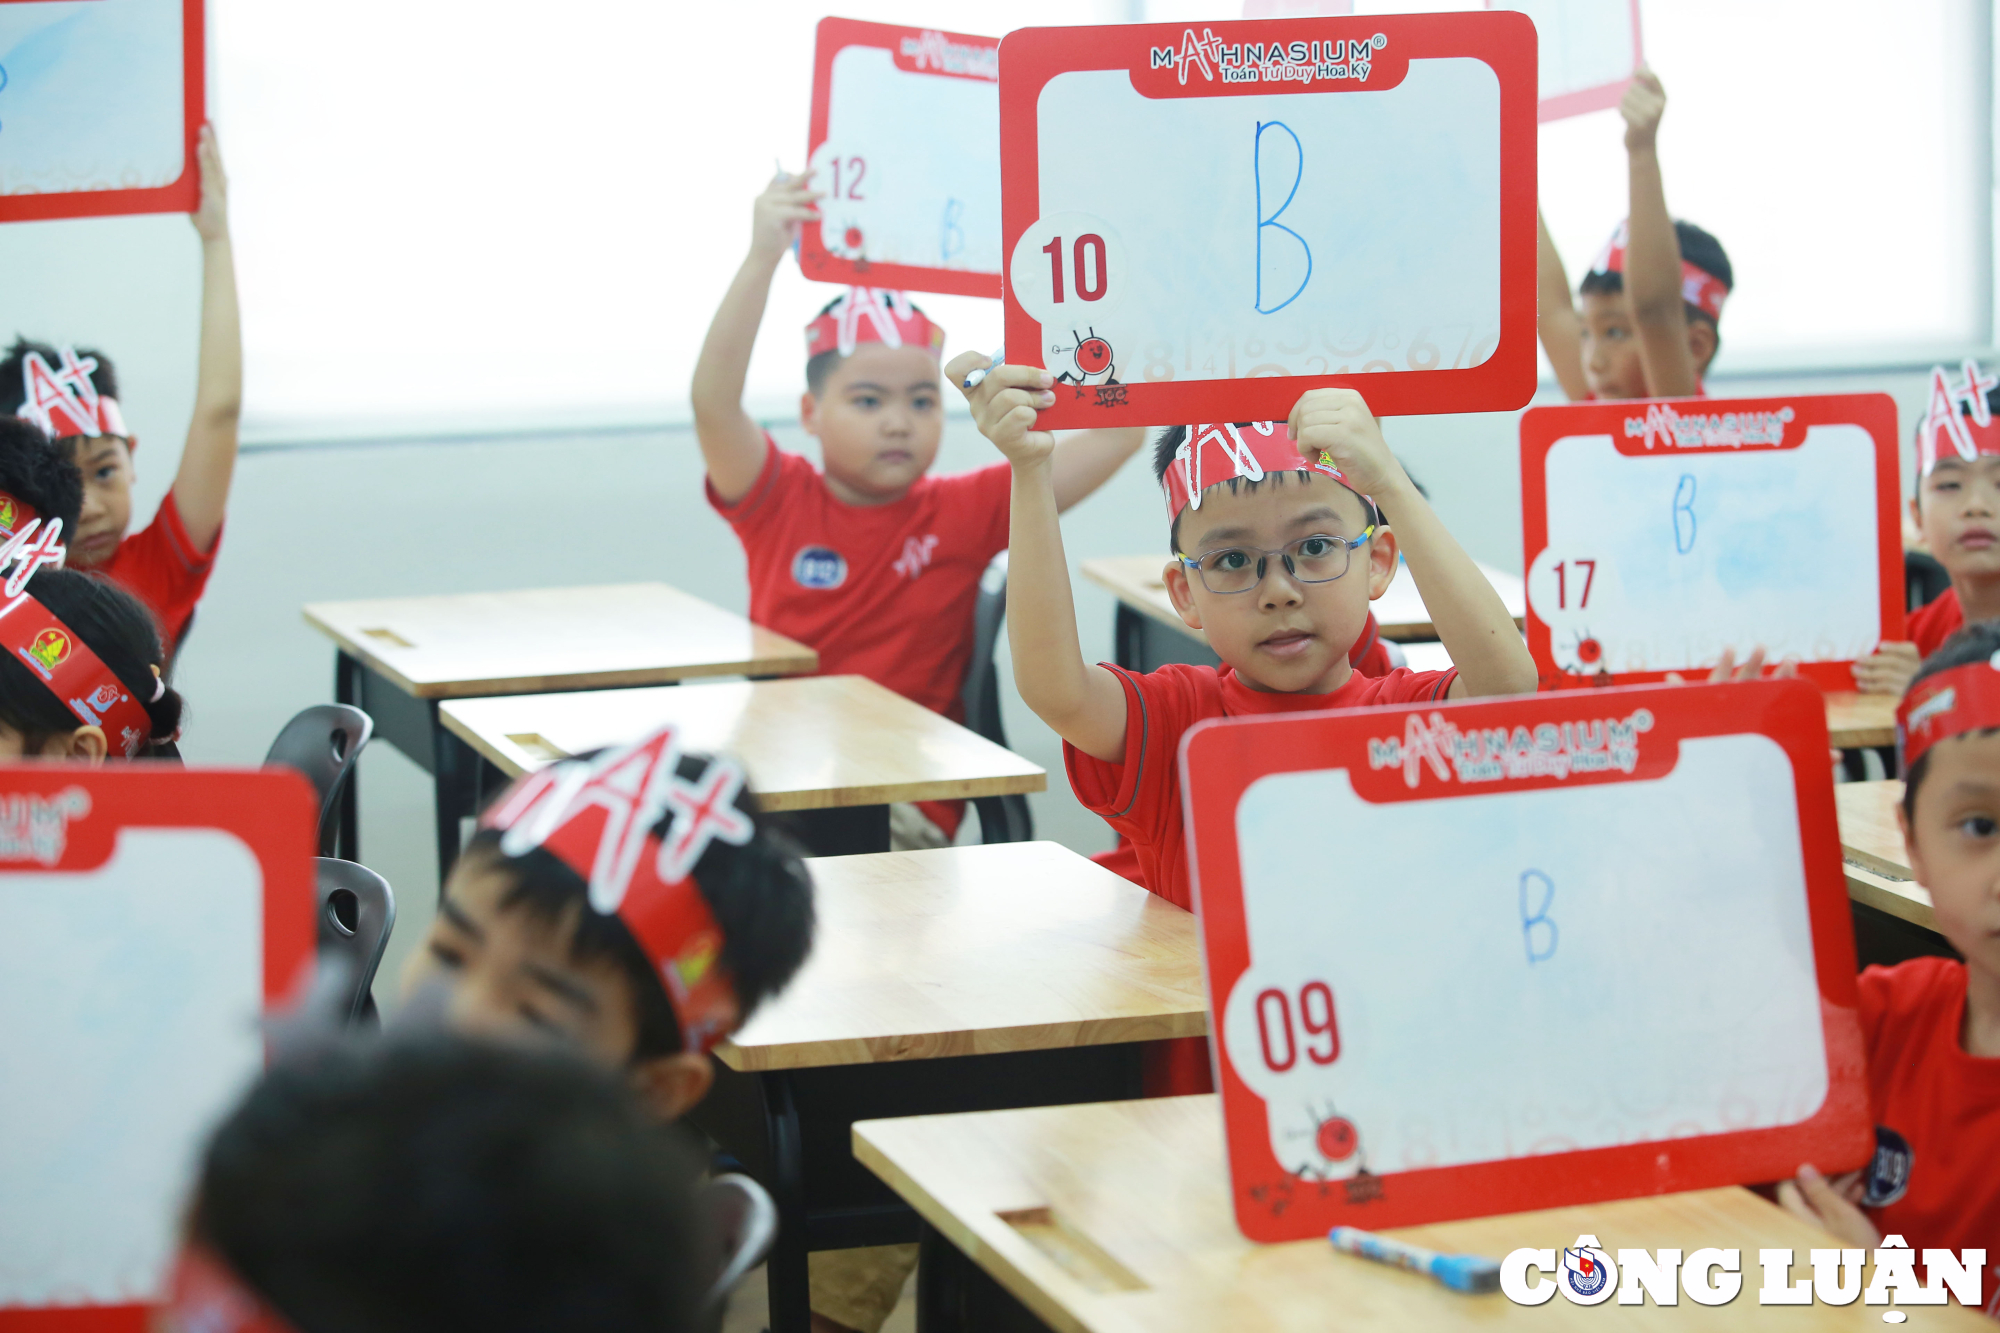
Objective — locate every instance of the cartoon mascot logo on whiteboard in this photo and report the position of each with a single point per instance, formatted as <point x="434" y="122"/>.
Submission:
<point x="1092" y="361"/>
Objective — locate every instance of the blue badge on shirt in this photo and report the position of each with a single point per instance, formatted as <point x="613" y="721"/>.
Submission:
<point x="818" y="567"/>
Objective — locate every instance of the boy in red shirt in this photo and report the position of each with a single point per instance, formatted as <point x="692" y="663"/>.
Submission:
<point x="1652" y="302"/>
<point x="1956" y="506"/>
<point x="870" y="560"/>
<point x="1278" y="548"/>
<point x="1933" y="1025"/>
<point x="74" y="398"/>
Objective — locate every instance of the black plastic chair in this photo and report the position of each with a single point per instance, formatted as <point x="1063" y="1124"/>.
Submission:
<point x="1924" y="578"/>
<point x="356" y="910"/>
<point x="323" y="742"/>
<point x="1001" y="818"/>
<point x="742" y="1223"/>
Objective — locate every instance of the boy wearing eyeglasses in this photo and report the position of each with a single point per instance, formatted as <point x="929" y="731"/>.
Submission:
<point x="1279" y="544"/>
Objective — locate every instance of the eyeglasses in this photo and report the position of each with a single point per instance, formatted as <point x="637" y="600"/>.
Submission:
<point x="1315" y="559"/>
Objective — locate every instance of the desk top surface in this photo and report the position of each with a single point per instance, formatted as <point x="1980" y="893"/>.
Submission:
<point x="1871" y="843"/>
<point x="1400" y="611"/>
<point x="976" y="950"/>
<point x="1860" y="721"/>
<point x="808" y="744"/>
<point x="533" y="639"/>
<point x="1115" y="1216"/>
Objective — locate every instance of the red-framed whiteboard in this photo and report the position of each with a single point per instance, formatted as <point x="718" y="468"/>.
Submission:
<point x="1589" y="50"/>
<point x="1656" y="534"/>
<point x="149" y="915"/>
<point x="905" y="145"/>
<point x="100" y="107"/>
<point x="1194" y="233"/>
<point x="1526" y="953"/>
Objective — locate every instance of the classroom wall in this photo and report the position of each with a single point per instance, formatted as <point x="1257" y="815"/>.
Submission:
<point x="360" y="519"/>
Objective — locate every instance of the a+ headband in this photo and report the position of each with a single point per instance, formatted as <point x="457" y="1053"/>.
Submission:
<point x="1950" y="703"/>
<point x="1960" y="415"/>
<point x="63" y="401"/>
<point x="598" y="817"/>
<point x="872" y="315"/>
<point x="1215" y="451"/>
<point x="36" y="637"/>
<point x="1699" y="288"/>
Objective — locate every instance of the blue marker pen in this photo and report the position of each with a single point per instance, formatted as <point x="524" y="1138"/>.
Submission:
<point x="978" y="377"/>
<point x="1460" y="1272"/>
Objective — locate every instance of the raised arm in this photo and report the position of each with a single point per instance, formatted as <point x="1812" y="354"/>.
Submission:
<point x="1082" y="703"/>
<point x="1085" y="460"/>
<point x="1469" y="616"/>
<point x="208" y="462"/>
<point x="732" y="444"/>
<point x="1556" y="319"/>
<point x="1652" y="254"/>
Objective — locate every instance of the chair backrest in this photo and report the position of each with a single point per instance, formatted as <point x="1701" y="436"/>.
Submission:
<point x="356" y="910"/>
<point x="982" y="679"/>
<point x="323" y="743"/>
<point x="1924" y="578"/>
<point x="744" y="1222"/>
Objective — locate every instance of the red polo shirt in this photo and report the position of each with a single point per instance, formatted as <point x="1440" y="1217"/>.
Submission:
<point x="161" y="567"/>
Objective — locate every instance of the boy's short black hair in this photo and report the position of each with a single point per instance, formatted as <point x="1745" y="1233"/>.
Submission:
<point x="434" y="1183"/>
<point x="1699" y="248"/>
<point x="820" y="366"/>
<point x="121" y="631"/>
<point x="36" y="472"/>
<point x="760" y="893"/>
<point x="14" y="389"/>
<point x="1975" y="643"/>
<point x="1171" y="439"/>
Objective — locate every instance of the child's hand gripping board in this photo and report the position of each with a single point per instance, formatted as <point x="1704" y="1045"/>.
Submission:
<point x="100" y="105"/>
<point x="1527" y="953"/>
<point x="905" y="144"/>
<point x="149" y="915"/>
<point x="1204" y="221"/>
<point x="1658" y="534"/>
<point x="1589" y="51"/>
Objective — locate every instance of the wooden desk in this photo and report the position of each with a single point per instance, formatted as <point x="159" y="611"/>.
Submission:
<point x="971" y="978"/>
<point x="1144" y="609"/>
<point x="1871" y="844"/>
<point x="396" y="657"/>
<point x="816" y="743"/>
<point x="1860" y="721"/>
<point x="1115" y="1218"/>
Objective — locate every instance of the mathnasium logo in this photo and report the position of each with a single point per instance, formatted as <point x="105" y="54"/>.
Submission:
<point x="1586" y="1274"/>
<point x="1268" y="62"/>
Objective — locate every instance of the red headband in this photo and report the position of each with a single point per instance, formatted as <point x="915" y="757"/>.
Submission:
<point x="65" y="402"/>
<point x="1699" y="288"/>
<point x="1948" y="412"/>
<point x="204" y="1296"/>
<point x="52" y="650"/>
<point x="1213" y="452"/>
<point x="1950" y="703"/>
<point x="597" y="817"/>
<point x="872" y="315"/>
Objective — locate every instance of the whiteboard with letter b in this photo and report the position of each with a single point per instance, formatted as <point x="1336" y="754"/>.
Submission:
<point x="1202" y="221"/>
<point x="1657" y="534"/>
<point x="1503" y="955"/>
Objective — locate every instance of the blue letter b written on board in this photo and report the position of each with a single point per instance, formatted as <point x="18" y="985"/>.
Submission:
<point x="1284" y="260"/>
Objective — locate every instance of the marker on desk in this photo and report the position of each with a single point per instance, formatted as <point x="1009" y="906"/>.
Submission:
<point x="1460" y="1272"/>
<point x="978" y="377"/>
